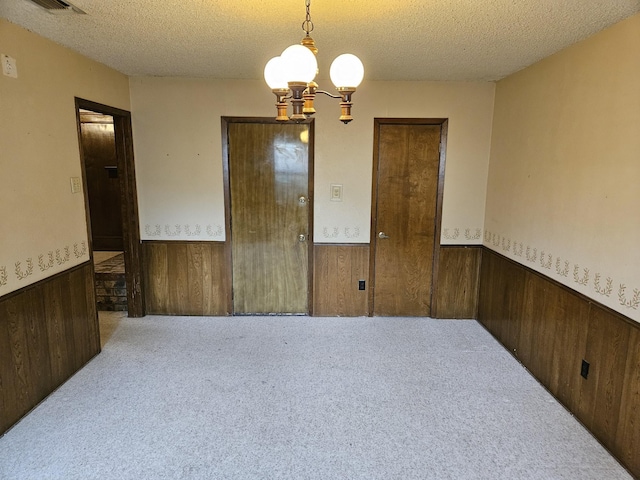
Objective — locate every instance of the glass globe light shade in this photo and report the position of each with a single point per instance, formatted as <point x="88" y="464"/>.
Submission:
<point x="300" y="64"/>
<point x="346" y="71"/>
<point x="274" y="74"/>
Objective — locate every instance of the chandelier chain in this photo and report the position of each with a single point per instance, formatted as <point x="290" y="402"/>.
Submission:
<point x="307" y="25"/>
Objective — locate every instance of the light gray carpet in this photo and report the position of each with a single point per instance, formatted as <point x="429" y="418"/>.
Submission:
<point x="301" y="398"/>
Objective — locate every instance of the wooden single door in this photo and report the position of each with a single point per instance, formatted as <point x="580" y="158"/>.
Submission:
<point x="103" y="186"/>
<point x="270" y="217"/>
<point x="404" y="217"/>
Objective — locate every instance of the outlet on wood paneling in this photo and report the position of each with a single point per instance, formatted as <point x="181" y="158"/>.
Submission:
<point x="607" y="348"/>
<point x="551" y="328"/>
<point x="337" y="271"/>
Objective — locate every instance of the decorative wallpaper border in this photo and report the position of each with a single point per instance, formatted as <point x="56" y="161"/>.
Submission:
<point x="24" y="269"/>
<point x="470" y="233"/>
<point x="562" y="267"/>
<point x="187" y="229"/>
<point x="217" y="231"/>
<point x="451" y="233"/>
<point x="334" y="232"/>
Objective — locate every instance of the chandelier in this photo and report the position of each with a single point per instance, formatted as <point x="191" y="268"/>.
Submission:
<point x="291" y="77"/>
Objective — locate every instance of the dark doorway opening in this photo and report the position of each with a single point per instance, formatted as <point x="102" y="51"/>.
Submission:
<point x="108" y="172"/>
<point x="102" y="185"/>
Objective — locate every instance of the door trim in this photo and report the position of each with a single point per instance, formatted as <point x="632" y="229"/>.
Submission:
<point x="226" y="121"/>
<point x="128" y="200"/>
<point x="377" y="122"/>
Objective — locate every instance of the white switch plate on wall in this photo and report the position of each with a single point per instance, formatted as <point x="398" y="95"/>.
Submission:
<point x="336" y="192"/>
<point x="76" y="185"/>
<point x="9" y="67"/>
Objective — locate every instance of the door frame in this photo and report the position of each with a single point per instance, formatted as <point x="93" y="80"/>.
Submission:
<point x="128" y="199"/>
<point x="444" y="125"/>
<point x="226" y="121"/>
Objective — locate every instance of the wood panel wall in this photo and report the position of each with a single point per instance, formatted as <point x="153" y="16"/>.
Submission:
<point x="187" y="278"/>
<point x="456" y="288"/>
<point x="337" y="270"/>
<point x="48" y="331"/>
<point x="551" y="329"/>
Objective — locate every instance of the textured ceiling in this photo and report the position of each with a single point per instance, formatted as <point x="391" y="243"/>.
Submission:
<point x="396" y="39"/>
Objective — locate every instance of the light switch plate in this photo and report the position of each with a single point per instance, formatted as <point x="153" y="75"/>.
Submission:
<point x="76" y="185"/>
<point x="9" y="67"/>
<point x="336" y="192"/>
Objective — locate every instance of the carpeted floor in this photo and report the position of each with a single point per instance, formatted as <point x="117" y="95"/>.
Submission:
<point x="301" y="398"/>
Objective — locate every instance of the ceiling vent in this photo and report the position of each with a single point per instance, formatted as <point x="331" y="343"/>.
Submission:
<point x="57" y="6"/>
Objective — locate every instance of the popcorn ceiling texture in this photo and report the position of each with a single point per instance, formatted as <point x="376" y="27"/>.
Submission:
<point x="443" y="40"/>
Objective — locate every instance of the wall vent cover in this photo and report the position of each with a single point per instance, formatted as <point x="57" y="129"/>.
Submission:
<point x="57" y="6"/>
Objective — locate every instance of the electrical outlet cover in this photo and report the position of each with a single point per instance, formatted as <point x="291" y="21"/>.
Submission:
<point x="9" y="67"/>
<point x="76" y="185"/>
<point x="336" y="192"/>
<point x="584" y="369"/>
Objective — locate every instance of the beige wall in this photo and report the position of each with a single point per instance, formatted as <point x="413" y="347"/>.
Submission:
<point x="177" y="141"/>
<point x="565" y="168"/>
<point x="43" y="226"/>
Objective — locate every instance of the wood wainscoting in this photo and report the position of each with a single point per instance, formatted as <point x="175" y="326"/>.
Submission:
<point x="187" y="278"/>
<point x="456" y="288"/>
<point x="48" y="331"/>
<point x="551" y="329"/>
<point x="337" y="270"/>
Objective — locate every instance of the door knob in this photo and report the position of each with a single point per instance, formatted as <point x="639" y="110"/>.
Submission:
<point x="383" y="235"/>
<point x="302" y="200"/>
<point x="302" y="237"/>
